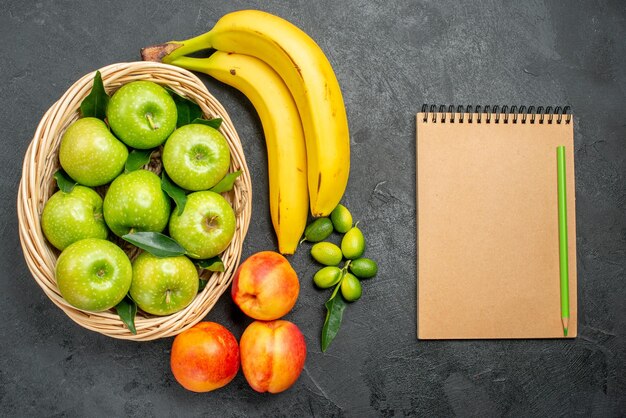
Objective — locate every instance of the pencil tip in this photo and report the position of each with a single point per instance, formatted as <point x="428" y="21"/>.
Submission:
<point x="565" y="332"/>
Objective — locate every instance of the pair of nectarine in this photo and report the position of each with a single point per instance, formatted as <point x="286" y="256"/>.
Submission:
<point x="272" y="352"/>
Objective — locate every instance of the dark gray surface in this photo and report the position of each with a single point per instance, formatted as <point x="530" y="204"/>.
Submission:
<point x="389" y="59"/>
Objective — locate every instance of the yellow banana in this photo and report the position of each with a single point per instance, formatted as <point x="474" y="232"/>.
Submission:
<point x="310" y="78"/>
<point x="286" y="152"/>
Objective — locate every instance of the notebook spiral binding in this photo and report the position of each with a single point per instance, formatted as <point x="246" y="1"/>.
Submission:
<point x="496" y="114"/>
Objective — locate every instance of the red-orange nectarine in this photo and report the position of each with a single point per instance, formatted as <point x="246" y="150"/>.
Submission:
<point x="265" y="286"/>
<point x="205" y="357"/>
<point x="272" y="355"/>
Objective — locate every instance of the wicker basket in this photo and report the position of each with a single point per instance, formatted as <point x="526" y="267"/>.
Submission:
<point x="37" y="185"/>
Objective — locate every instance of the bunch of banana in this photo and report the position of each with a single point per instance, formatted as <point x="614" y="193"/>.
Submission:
<point x="288" y="66"/>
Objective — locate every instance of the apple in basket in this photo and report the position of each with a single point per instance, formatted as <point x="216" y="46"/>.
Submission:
<point x="71" y="216"/>
<point x="142" y="114"/>
<point x="163" y="285"/>
<point x="93" y="274"/>
<point x="196" y="157"/>
<point x="206" y="226"/>
<point x="135" y="202"/>
<point x="90" y="154"/>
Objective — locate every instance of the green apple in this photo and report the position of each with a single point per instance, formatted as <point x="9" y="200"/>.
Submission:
<point x="162" y="286"/>
<point x="93" y="274"/>
<point x="135" y="202"/>
<point x="206" y="226"/>
<point x="142" y="114"/>
<point x="90" y="154"/>
<point x="196" y="157"/>
<point x="70" y="217"/>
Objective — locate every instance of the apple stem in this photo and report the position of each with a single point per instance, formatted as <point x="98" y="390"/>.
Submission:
<point x="150" y="121"/>
<point x="209" y="222"/>
<point x="167" y="296"/>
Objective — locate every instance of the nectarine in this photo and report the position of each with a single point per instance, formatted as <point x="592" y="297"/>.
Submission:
<point x="205" y="357"/>
<point x="265" y="286"/>
<point x="272" y="355"/>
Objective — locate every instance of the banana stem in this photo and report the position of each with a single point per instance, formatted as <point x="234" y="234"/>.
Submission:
<point x="169" y="51"/>
<point x="193" y="64"/>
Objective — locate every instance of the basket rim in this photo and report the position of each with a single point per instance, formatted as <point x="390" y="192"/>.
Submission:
<point x="40" y="256"/>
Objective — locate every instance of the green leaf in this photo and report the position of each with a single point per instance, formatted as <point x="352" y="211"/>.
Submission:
<point x="137" y="158"/>
<point x="173" y="191"/>
<point x="211" y="264"/>
<point x="214" y="123"/>
<point x="226" y="184"/>
<point x="334" y="307"/>
<point x="66" y="183"/>
<point x="127" y="309"/>
<point x="155" y="243"/>
<point x="187" y="110"/>
<point x="95" y="104"/>
<point x="202" y="284"/>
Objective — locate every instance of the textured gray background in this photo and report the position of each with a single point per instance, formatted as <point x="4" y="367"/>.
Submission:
<point x="390" y="57"/>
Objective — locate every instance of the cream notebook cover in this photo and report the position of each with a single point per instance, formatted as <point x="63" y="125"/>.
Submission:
<point x="488" y="246"/>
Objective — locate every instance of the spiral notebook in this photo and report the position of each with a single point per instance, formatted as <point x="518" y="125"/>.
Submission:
<point x="488" y="233"/>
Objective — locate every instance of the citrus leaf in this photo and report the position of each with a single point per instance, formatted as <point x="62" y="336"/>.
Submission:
<point x="334" y="314"/>
<point x="95" y="104"/>
<point x="127" y="309"/>
<point x="155" y="243"/>
<point x="202" y="284"/>
<point x="64" y="182"/>
<point x="137" y="158"/>
<point x="187" y="110"/>
<point x="214" y="123"/>
<point x="211" y="264"/>
<point x="175" y="192"/>
<point x="226" y="184"/>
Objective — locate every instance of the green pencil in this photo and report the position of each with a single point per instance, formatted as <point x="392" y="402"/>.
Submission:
<point x="563" y="258"/>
